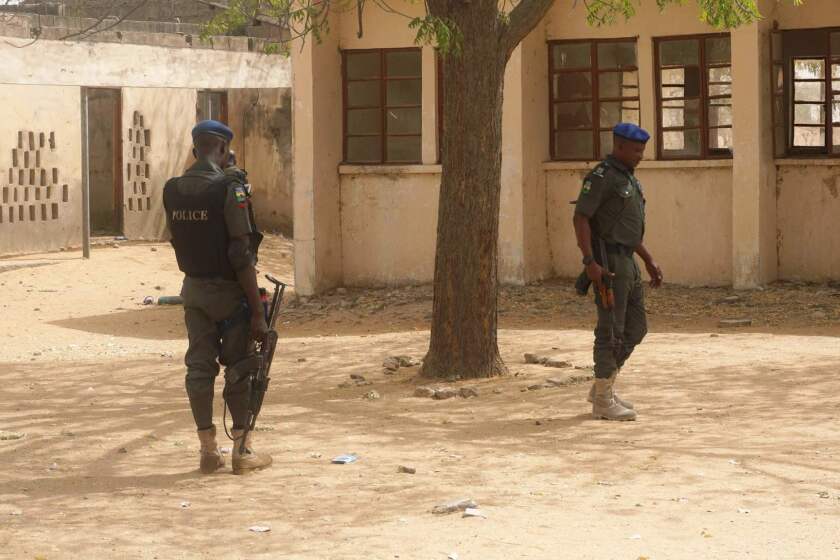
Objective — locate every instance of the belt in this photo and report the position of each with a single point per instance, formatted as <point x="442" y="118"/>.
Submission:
<point x="619" y="249"/>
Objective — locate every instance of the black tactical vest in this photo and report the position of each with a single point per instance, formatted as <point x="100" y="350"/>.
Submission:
<point x="199" y="233"/>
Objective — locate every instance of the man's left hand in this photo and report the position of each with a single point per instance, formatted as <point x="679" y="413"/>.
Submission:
<point x="655" y="274"/>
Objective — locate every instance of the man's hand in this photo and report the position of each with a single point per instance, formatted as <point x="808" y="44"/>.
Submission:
<point x="654" y="272"/>
<point x="258" y="326"/>
<point x="595" y="272"/>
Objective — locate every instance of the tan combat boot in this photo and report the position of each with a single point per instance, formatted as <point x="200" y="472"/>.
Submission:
<point x="622" y="402"/>
<point x="250" y="460"/>
<point x="604" y="405"/>
<point x="211" y="457"/>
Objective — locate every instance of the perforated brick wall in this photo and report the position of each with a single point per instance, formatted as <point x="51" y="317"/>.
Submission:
<point x="137" y="172"/>
<point x="32" y="190"/>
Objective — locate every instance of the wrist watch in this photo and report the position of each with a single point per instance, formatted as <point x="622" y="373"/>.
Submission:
<point x="587" y="260"/>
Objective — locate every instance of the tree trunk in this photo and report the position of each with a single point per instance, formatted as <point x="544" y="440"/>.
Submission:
<point x="463" y="334"/>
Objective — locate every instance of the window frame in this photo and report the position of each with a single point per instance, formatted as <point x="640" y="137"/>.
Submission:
<point x="383" y="106"/>
<point x="595" y="72"/>
<point x="705" y="152"/>
<point x="223" y="103"/>
<point x="788" y="94"/>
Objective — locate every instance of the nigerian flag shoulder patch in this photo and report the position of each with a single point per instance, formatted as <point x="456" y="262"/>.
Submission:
<point x="240" y="194"/>
<point x="587" y="186"/>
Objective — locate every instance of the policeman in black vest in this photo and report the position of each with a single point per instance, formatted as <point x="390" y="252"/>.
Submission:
<point x="210" y="218"/>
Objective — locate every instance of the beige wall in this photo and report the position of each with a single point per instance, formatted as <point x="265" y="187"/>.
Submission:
<point x="813" y="13"/>
<point x="809" y="228"/>
<point x="709" y="223"/>
<point x="262" y="122"/>
<point x="159" y="147"/>
<point x="388" y="224"/>
<point x="41" y="186"/>
<point x="116" y="65"/>
<point x="689" y="220"/>
<point x="316" y="137"/>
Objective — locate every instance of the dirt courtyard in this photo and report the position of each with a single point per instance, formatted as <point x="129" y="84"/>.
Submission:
<point x="736" y="453"/>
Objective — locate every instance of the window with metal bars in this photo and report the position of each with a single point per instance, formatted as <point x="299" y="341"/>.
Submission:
<point x="211" y="105"/>
<point x="694" y="96"/>
<point x="806" y="92"/>
<point x="382" y="106"/>
<point x="594" y="85"/>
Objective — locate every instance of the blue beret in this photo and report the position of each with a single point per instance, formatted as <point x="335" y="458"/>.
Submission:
<point x="213" y="127"/>
<point x="631" y="132"/>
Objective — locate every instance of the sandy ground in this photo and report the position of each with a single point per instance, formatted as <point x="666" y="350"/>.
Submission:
<point x="736" y="453"/>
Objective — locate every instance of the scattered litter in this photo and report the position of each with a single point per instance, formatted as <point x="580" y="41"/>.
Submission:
<point x="824" y="494"/>
<point x="474" y="512"/>
<point x="603" y="483"/>
<point x="452" y="556"/>
<point x="357" y="377"/>
<point x="9" y="436"/>
<point x="406" y="470"/>
<point x="680" y="500"/>
<point x="185" y="505"/>
<point x="53" y="467"/>
<point x="452" y="507"/>
<point x="345" y="459"/>
<point x="259" y="528"/>
<point x="372" y="396"/>
<point x="122" y="450"/>
<point x="170" y="300"/>
<point x="635" y="537"/>
<point x="148" y="300"/>
<point x="225" y="450"/>
<point x="733" y="462"/>
<point x="706" y="534"/>
<point x="744" y="511"/>
<point x="16" y="513"/>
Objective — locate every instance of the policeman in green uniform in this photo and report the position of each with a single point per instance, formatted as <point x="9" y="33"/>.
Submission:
<point x="210" y="218"/>
<point x="609" y="224"/>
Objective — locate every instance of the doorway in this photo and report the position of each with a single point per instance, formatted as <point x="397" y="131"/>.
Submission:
<point x="105" y="161"/>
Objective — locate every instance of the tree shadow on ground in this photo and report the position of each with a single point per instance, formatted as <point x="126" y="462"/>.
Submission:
<point x="153" y="322"/>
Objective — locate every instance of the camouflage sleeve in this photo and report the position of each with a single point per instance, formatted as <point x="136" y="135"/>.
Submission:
<point x="591" y="194"/>
<point x="236" y="211"/>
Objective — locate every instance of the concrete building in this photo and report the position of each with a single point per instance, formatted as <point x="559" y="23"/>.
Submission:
<point x="742" y="176"/>
<point x="117" y="109"/>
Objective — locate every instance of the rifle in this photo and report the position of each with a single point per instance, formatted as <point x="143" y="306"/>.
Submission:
<point x="265" y="354"/>
<point x="608" y="297"/>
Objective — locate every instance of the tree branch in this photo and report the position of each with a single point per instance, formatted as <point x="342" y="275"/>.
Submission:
<point x="91" y="29"/>
<point x="522" y="20"/>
